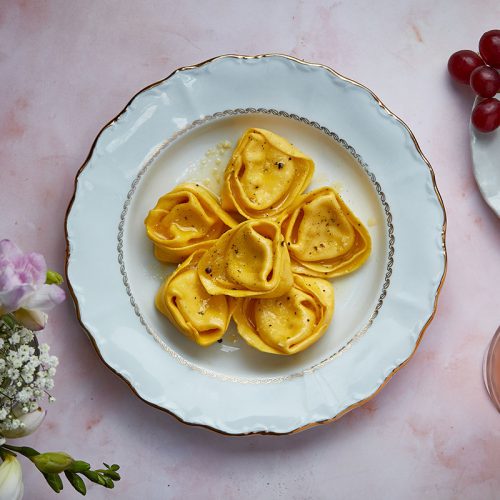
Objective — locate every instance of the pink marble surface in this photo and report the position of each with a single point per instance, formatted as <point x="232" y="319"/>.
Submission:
<point x="67" y="67"/>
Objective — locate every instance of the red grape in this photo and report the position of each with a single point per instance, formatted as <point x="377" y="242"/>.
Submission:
<point x="486" y="115"/>
<point x="462" y="63"/>
<point x="489" y="47"/>
<point x="485" y="81"/>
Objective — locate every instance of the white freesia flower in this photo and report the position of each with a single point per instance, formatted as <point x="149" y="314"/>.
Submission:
<point x="11" y="479"/>
<point x="31" y="318"/>
<point x="30" y="423"/>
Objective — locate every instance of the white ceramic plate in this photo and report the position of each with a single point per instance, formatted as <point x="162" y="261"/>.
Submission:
<point x="358" y="145"/>
<point x="486" y="162"/>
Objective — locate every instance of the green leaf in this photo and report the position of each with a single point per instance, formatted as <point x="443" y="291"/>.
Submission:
<point x="79" y="466"/>
<point x="55" y="481"/>
<point x="53" y="278"/>
<point x="115" y="467"/>
<point x="76" y="481"/>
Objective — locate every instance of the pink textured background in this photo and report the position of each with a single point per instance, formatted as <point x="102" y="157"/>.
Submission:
<point x="67" y="67"/>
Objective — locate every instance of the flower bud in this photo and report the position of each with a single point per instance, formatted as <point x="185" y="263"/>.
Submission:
<point x="52" y="462"/>
<point x="11" y="479"/>
<point x="54" y="481"/>
<point x="94" y="477"/>
<point x="53" y="278"/>
<point x="112" y="475"/>
<point x="31" y="423"/>
<point x="76" y="481"/>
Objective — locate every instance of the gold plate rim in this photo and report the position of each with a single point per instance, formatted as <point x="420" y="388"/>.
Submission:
<point x="443" y="237"/>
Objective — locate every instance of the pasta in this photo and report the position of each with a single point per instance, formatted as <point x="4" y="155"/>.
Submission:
<point x="188" y="218"/>
<point x="261" y="256"/>
<point x="249" y="260"/>
<point x="265" y="175"/>
<point x="324" y="238"/>
<point x="290" y="323"/>
<point x="202" y="317"/>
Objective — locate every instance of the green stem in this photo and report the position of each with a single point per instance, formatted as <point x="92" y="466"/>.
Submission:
<point x="4" y="452"/>
<point x="23" y="450"/>
<point x="9" y="320"/>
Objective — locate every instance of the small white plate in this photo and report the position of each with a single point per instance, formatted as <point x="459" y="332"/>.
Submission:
<point x="358" y="146"/>
<point x="486" y="164"/>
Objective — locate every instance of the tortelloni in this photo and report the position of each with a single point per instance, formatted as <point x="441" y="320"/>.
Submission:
<point x="290" y="323"/>
<point x="265" y="175"/>
<point x="249" y="260"/>
<point x="202" y="317"/>
<point x="261" y="255"/>
<point x="324" y="238"/>
<point x="188" y="218"/>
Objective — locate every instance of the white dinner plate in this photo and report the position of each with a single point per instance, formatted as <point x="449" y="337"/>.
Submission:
<point x="486" y="164"/>
<point x="163" y="137"/>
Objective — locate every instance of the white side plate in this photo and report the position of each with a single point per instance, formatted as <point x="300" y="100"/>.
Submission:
<point x="486" y="162"/>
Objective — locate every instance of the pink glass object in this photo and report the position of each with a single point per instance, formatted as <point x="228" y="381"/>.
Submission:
<point x="491" y="370"/>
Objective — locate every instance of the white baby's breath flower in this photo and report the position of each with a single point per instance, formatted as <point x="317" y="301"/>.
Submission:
<point x="26" y="335"/>
<point x="26" y="374"/>
<point x="15" y="338"/>
<point x="13" y="373"/>
<point x="15" y="423"/>
<point x="24" y="352"/>
<point x="24" y="395"/>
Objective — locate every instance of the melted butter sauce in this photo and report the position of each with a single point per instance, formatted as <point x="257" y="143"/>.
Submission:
<point x="209" y="170"/>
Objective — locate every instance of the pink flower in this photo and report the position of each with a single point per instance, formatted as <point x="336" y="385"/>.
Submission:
<point x="22" y="286"/>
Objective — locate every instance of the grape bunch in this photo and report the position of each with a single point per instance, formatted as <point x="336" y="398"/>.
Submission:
<point x="480" y="71"/>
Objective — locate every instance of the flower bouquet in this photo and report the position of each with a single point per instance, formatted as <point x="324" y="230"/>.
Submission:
<point x="28" y="290"/>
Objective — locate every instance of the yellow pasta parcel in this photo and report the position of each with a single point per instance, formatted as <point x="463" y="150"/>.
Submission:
<point x="249" y="260"/>
<point x="265" y="175"/>
<point x="186" y="219"/>
<point x="200" y="316"/>
<point x="290" y="323"/>
<point x="324" y="238"/>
